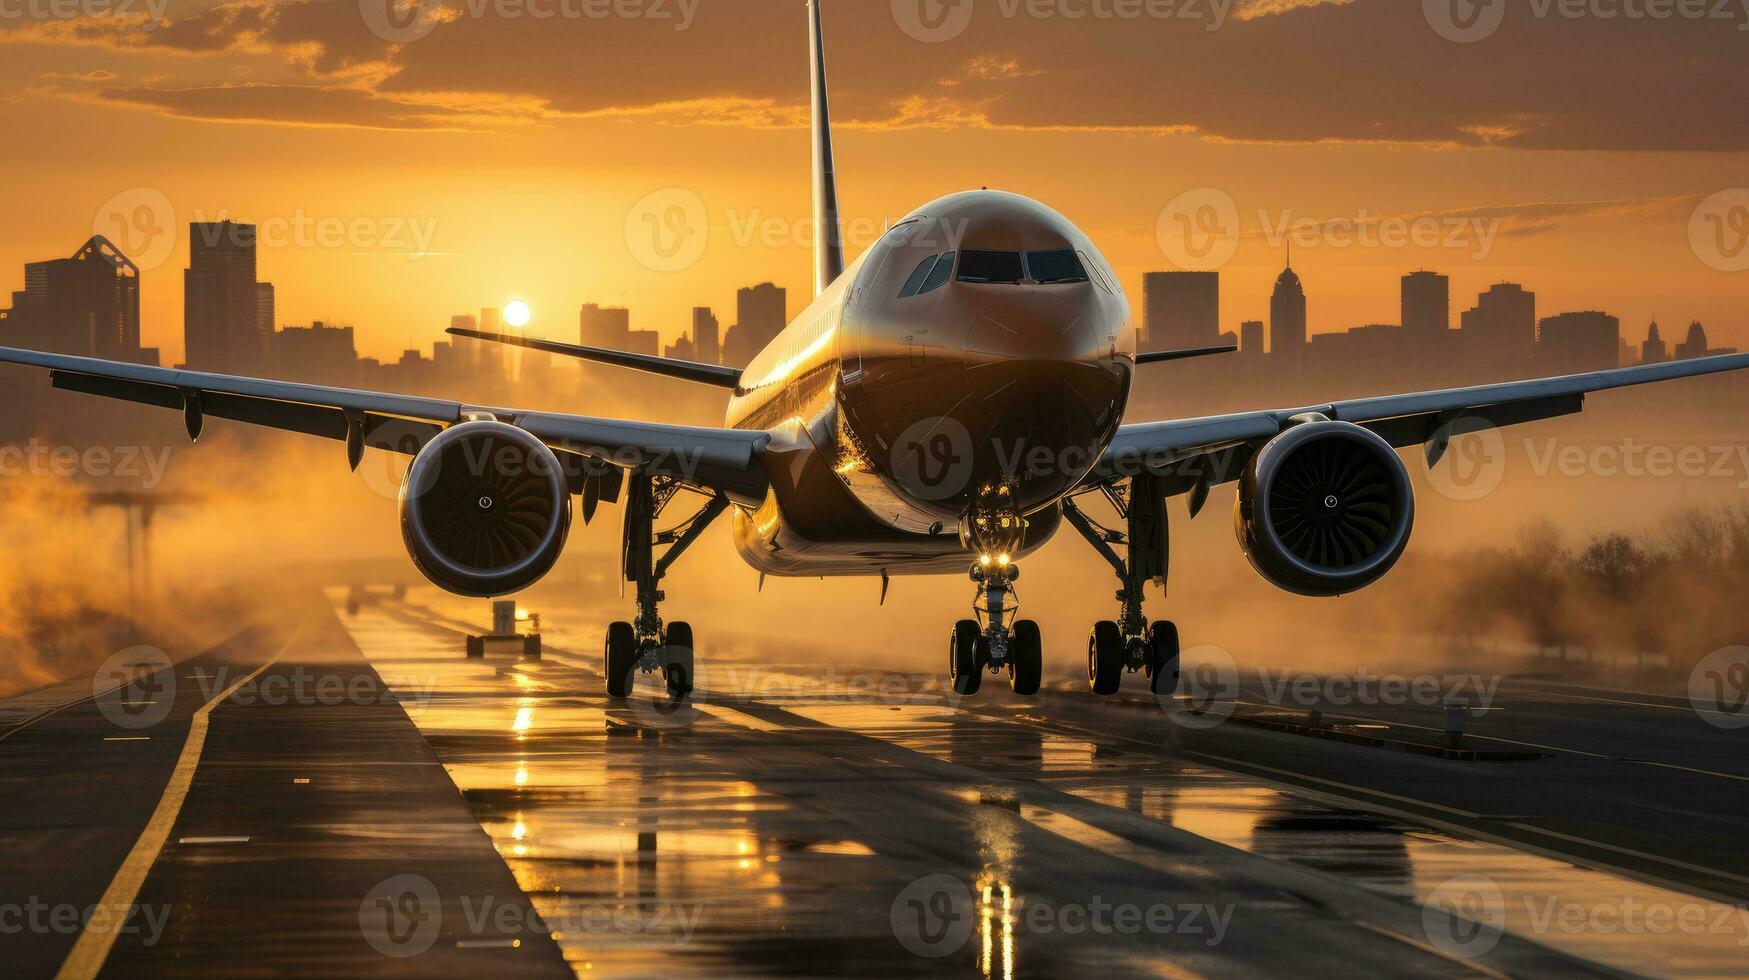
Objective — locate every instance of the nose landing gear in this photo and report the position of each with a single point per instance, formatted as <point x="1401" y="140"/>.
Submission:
<point x="992" y="642"/>
<point x="1130" y="643"/>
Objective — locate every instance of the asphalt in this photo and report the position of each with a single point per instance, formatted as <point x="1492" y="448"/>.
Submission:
<point x="371" y="802"/>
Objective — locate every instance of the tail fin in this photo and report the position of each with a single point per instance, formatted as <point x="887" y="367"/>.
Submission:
<point x="828" y="237"/>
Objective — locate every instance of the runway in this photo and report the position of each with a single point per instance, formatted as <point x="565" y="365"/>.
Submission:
<point x="365" y="800"/>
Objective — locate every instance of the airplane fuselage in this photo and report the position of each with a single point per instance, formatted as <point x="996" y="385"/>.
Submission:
<point x="940" y="398"/>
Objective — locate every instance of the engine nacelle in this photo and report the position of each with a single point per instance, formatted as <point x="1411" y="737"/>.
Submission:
<point x="1324" y="509"/>
<point x="485" y="509"/>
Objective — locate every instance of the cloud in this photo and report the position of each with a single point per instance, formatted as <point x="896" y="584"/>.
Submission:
<point x="298" y="105"/>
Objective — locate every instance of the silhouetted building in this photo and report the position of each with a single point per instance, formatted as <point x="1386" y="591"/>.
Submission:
<point x="762" y="312"/>
<point x="707" y="345"/>
<point x="316" y="354"/>
<point x="1499" y="333"/>
<point x="87" y="304"/>
<point x="604" y="326"/>
<point x="1251" y="337"/>
<point x="644" y="342"/>
<point x="221" y="330"/>
<point x="1181" y="310"/>
<point x="266" y="309"/>
<point x="1573" y="342"/>
<point x="1426" y="302"/>
<point x="1287" y="317"/>
<point x="1695" y="345"/>
<point x="682" y="349"/>
<point x="1654" y="350"/>
<point x="494" y="358"/>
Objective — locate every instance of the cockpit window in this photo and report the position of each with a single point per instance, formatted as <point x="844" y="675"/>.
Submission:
<point x="978" y="266"/>
<point x="1058" y="265"/>
<point x="938" y="276"/>
<point x="914" y="285"/>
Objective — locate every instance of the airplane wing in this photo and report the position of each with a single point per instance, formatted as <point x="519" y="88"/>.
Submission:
<point x="711" y="459"/>
<point x="1190" y="453"/>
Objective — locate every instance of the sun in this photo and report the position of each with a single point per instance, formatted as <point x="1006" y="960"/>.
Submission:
<point x="517" y="313"/>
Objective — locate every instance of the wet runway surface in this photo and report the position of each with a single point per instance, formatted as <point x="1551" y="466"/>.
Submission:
<point x="442" y="815"/>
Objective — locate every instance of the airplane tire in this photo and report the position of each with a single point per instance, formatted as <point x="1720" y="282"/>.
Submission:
<point x="1163" y="657"/>
<point x="531" y="647"/>
<point x="1025" y="658"/>
<point x="677" y="659"/>
<point x="476" y="647"/>
<point x="963" y="668"/>
<point x="1105" y="649"/>
<point x="622" y="659"/>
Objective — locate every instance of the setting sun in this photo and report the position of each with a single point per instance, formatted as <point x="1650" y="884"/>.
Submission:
<point x="517" y="314"/>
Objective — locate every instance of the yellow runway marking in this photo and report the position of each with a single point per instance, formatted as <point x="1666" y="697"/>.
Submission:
<point x="93" y="947"/>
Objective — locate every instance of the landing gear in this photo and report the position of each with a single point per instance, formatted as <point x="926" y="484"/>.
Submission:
<point x="1130" y="643"/>
<point x="967" y="652"/>
<point x="995" y="641"/>
<point x="644" y="645"/>
<point x="1025" y="659"/>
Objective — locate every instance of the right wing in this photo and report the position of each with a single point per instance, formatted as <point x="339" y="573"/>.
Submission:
<point x="668" y="367"/>
<point x="711" y="459"/>
<point x="1206" y="451"/>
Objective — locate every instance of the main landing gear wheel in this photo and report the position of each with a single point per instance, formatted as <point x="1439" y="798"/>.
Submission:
<point x="1025" y="658"/>
<point x="965" y="667"/>
<point x="622" y="659"/>
<point x="1162" y="664"/>
<point x="677" y="660"/>
<point x="1105" y="658"/>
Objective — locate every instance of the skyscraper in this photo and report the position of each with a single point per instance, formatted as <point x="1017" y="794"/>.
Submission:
<point x="761" y="311"/>
<point x="1573" y="342"/>
<point x="1654" y="350"/>
<point x="707" y="345"/>
<point x="1181" y="310"/>
<point x="1426" y="303"/>
<point x="604" y="326"/>
<point x="266" y="309"/>
<point x="1499" y="332"/>
<point x="87" y="304"/>
<point x="494" y="357"/>
<point x="1251" y="334"/>
<point x="220" y="328"/>
<point x="1287" y="317"/>
<point x="1695" y="344"/>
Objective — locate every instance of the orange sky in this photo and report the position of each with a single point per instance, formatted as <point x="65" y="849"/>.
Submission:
<point x="505" y="155"/>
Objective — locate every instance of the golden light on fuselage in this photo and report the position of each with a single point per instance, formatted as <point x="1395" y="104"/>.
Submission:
<point x="517" y="314"/>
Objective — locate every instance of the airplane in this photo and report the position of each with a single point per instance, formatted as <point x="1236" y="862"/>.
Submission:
<point x="943" y="403"/>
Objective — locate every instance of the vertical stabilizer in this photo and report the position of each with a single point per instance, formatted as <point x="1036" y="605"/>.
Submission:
<point x="828" y="236"/>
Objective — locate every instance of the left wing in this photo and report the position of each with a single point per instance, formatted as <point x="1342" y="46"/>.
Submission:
<point x="1205" y="451"/>
<point x="712" y="459"/>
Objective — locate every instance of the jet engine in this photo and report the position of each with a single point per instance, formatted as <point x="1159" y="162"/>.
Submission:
<point x="485" y="509"/>
<point x="1324" y="509"/>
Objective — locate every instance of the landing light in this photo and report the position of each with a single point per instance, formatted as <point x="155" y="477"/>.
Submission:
<point x="984" y="560"/>
<point x="1002" y="560"/>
